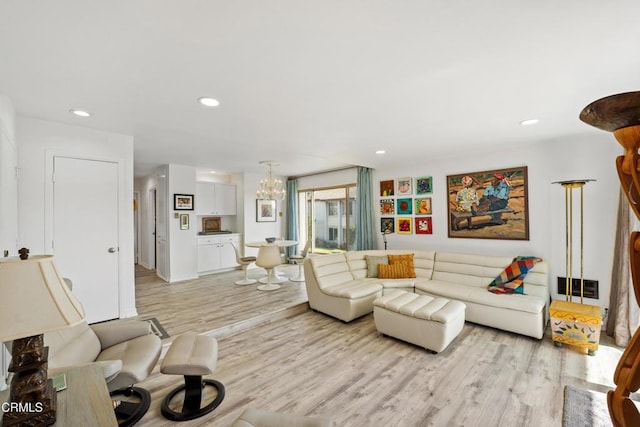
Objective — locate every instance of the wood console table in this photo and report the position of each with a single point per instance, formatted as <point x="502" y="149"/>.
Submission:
<point x="85" y="402"/>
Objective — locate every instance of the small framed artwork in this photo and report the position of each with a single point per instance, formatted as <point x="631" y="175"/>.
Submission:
<point x="404" y="187"/>
<point x="265" y="211"/>
<point x="184" y="221"/>
<point x="387" y="225"/>
<point x="386" y="188"/>
<point x="405" y="206"/>
<point x="422" y="206"/>
<point x="183" y="202"/>
<point x="424" y="185"/>
<point x="387" y="206"/>
<point x="424" y="225"/>
<point x="404" y="225"/>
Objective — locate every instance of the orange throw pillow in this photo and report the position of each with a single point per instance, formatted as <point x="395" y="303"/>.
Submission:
<point x="406" y="260"/>
<point x="395" y="271"/>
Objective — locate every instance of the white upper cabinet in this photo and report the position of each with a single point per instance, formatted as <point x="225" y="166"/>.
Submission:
<point x="214" y="198"/>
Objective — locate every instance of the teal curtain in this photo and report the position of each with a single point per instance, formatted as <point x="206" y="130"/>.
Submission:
<point x="292" y="214"/>
<point x="365" y="230"/>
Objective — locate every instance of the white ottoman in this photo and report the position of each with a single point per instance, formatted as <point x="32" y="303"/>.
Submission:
<point x="422" y="320"/>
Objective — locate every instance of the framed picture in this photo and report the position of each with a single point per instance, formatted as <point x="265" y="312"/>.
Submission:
<point x="490" y="204"/>
<point x="424" y="225"/>
<point x="404" y="187"/>
<point x="387" y="225"/>
<point x="387" y="206"/>
<point x="183" y="202"/>
<point x="404" y="225"/>
<point x="211" y="224"/>
<point x="184" y="221"/>
<point x="265" y="210"/>
<point x="424" y="185"/>
<point x="422" y="206"/>
<point x="405" y="206"/>
<point x="386" y="188"/>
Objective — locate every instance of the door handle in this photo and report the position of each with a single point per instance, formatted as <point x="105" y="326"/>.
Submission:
<point x="112" y="250"/>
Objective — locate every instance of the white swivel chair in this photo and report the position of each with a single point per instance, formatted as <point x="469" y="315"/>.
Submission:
<point x="268" y="258"/>
<point x="274" y="276"/>
<point x="298" y="260"/>
<point x="244" y="262"/>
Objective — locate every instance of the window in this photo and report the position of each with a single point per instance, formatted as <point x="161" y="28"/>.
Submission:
<point x="327" y="217"/>
<point x="333" y="208"/>
<point x="333" y="233"/>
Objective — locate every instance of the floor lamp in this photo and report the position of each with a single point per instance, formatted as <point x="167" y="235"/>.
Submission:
<point x="576" y="324"/>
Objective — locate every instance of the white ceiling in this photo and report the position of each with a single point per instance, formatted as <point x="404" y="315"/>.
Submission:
<point x="317" y="85"/>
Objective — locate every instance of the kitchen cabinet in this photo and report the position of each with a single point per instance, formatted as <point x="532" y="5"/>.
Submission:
<point x="214" y="198"/>
<point x="216" y="252"/>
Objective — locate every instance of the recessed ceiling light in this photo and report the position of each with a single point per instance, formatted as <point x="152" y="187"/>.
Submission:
<point x="380" y="152"/>
<point x="208" y="102"/>
<point x="80" y="113"/>
<point x="529" y="122"/>
<point x="212" y="171"/>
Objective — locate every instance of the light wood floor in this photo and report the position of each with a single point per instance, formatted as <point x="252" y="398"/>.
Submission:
<point x="312" y="364"/>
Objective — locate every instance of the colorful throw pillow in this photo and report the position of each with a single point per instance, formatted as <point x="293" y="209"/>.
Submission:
<point x="373" y="262"/>
<point x="392" y="271"/>
<point x="511" y="280"/>
<point x="404" y="259"/>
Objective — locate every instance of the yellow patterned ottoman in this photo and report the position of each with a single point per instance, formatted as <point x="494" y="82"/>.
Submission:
<point x="576" y="324"/>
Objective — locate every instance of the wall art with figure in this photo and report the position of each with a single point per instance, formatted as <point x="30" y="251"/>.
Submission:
<point x="490" y="204"/>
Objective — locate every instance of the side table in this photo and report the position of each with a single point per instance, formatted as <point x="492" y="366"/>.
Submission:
<point x="576" y="324"/>
<point x="85" y="401"/>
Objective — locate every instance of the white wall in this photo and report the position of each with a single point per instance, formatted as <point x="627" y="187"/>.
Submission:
<point x="183" y="250"/>
<point x="257" y="231"/>
<point x="547" y="162"/>
<point x="39" y="141"/>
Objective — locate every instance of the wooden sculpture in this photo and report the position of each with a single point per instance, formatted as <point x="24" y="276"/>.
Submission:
<point x="620" y="114"/>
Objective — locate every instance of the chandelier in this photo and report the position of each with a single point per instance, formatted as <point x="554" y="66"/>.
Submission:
<point x="270" y="188"/>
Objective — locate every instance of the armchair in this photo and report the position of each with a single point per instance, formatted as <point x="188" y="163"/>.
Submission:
<point x="126" y="351"/>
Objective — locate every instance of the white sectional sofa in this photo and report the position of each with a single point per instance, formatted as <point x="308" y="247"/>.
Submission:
<point x="337" y="285"/>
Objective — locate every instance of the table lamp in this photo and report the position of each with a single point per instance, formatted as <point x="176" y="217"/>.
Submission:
<point x="35" y="300"/>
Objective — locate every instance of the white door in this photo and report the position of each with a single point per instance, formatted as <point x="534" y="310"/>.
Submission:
<point x="85" y="232"/>
<point x="162" y="211"/>
<point x="8" y="197"/>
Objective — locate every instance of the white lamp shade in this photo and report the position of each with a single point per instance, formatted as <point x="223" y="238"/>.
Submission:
<point x="34" y="298"/>
<point x="268" y="256"/>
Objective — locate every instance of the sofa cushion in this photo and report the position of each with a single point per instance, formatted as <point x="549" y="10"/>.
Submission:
<point x="406" y="259"/>
<point x="352" y="289"/>
<point x="393" y="271"/>
<point x="372" y="264"/>
<point x="405" y="283"/>
<point x="526" y="303"/>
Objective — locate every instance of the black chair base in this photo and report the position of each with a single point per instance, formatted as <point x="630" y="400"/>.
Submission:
<point x="129" y="413"/>
<point x="193" y="386"/>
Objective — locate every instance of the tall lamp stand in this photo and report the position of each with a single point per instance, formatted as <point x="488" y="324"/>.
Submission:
<point x="576" y="324"/>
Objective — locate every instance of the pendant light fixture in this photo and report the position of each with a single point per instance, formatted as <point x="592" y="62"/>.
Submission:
<point x="271" y="188"/>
